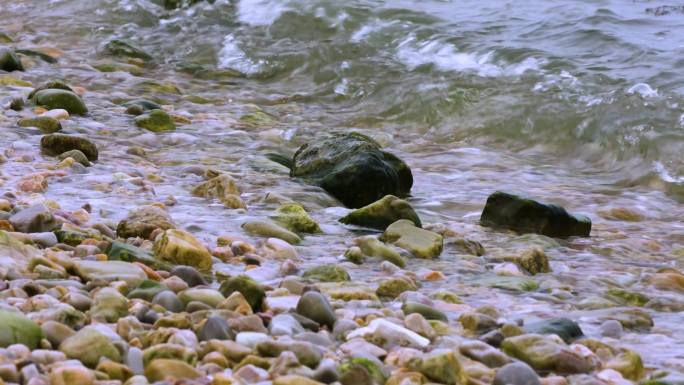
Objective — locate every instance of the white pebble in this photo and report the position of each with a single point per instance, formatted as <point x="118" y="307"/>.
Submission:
<point x="57" y="114"/>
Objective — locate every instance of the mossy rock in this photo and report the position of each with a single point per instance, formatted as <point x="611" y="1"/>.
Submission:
<point x="5" y="39"/>
<point x="420" y="243"/>
<point x="178" y="247"/>
<point x="56" y="144"/>
<point x="429" y="312"/>
<point x="372" y="247"/>
<point x="543" y="354"/>
<point x="394" y="286"/>
<point x="9" y="61"/>
<point x="533" y="260"/>
<point x="60" y="99"/>
<point x="259" y="119"/>
<point x="382" y="213"/>
<point x="16" y="328"/>
<point x="352" y="169"/>
<point x="155" y="121"/>
<point x="527" y="215"/>
<point x="9" y="80"/>
<point x="441" y="366"/>
<point x="56" y="85"/>
<point x="379" y="373"/>
<point x="75" y="238"/>
<point x="171" y="352"/>
<point x="124" y="48"/>
<point x="327" y="273"/>
<point x="153" y="87"/>
<point x="147" y="290"/>
<point x="121" y="251"/>
<point x="250" y="289"/>
<point x="46" y="124"/>
<point x="629" y="364"/>
<point x="628" y="297"/>
<point x="293" y="217"/>
<point x="564" y="328"/>
<point x="88" y="346"/>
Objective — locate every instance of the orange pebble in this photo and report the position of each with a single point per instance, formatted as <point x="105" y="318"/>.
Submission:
<point x="101" y="257"/>
<point x="40" y="110"/>
<point x="90" y="241"/>
<point x="79" y="90"/>
<point x="433" y="276"/>
<point x="250" y="267"/>
<point x="151" y="274"/>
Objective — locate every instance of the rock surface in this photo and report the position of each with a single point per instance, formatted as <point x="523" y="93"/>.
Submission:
<point x="352" y="168"/>
<point x="524" y="214"/>
<point x="382" y="213"/>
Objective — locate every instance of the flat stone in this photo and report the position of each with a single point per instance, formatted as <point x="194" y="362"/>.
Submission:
<point x="420" y="243"/>
<point x="35" y="219"/>
<point x="382" y="213"/>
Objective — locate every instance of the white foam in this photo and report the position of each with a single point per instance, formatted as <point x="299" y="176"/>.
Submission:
<point x="232" y="57"/>
<point x="665" y="174"/>
<point x="447" y="58"/>
<point x="260" y="12"/>
<point x="644" y="90"/>
<point x="369" y="29"/>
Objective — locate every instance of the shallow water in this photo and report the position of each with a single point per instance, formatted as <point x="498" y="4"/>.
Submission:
<point x="575" y="102"/>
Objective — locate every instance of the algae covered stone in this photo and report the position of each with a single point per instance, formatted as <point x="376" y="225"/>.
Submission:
<point x="108" y="306"/>
<point x="372" y="247"/>
<point x="143" y="220"/>
<point x="88" y="345"/>
<point x="160" y="369"/>
<point x="46" y="124"/>
<point x="15" y="328"/>
<point x="56" y="144"/>
<point x="439" y="365"/>
<point x="544" y="354"/>
<point x="533" y="260"/>
<point x="527" y="215"/>
<point x="380" y="214"/>
<point x="9" y="61"/>
<point x="155" y="121"/>
<point x="352" y="168"/>
<point x="293" y="217"/>
<point x="222" y="187"/>
<point x="420" y="243"/>
<point x="253" y="292"/>
<point x="327" y="273"/>
<point x="179" y="247"/>
<point x="53" y="99"/>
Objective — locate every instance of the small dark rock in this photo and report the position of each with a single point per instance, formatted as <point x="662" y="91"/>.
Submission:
<point x="189" y="274"/>
<point x="58" y="144"/>
<point x="524" y="214"/>
<point x="216" y="327"/>
<point x="9" y="61"/>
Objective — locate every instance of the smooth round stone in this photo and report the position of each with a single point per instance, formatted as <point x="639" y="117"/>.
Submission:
<point x="169" y="300"/>
<point x="57" y="113"/>
<point x="194" y="306"/>
<point x="516" y="373"/>
<point x="189" y="274"/>
<point x="134" y="360"/>
<point x="315" y="306"/>
<point x="251" y="339"/>
<point x="57" y="332"/>
<point x="285" y="325"/>
<point x="612" y="329"/>
<point x="215" y="328"/>
<point x="210" y="297"/>
<point x="344" y="326"/>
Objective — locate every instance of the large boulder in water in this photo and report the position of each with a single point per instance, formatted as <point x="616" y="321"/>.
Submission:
<point x="352" y="168"/>
<point x="527" y="215"/>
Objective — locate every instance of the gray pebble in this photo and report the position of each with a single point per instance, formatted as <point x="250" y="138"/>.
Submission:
<point x="612" y="329"/>
<point x="516" y="373"/>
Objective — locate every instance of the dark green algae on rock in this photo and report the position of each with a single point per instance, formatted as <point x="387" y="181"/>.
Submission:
<point x="527" y="215"/>
<point x="352" y="168"/>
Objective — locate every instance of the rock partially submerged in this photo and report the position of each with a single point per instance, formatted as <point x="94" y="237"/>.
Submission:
<point x="421" y="243"/>
<point x="527" y="215"/>
<point x="352" y="168"/>
<point x="57" y="144"/>
<point x="380" y="214"/>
